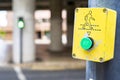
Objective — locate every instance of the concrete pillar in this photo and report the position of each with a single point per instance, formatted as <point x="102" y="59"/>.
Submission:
<point x="25" y="9"/>
<point x="70" y="22"/>
<point x="56" y="25"/>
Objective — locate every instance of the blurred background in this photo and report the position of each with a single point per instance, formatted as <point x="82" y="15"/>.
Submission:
<point x="42" y="49"/>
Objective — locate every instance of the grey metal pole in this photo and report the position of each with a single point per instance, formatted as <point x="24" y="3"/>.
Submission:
<point x="94" y="71"/>
<point x="21" y="45"/>
<point x="109" y="70"/>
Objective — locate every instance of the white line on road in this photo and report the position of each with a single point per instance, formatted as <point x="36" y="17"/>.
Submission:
<point x="19" y="73"/>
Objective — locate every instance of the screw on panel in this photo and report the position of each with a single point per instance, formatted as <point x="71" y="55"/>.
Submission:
<point x="74" y="55"/>
<point x="105" y="10"/>
<point x="101" y="59"/>
<point x="77" y="10"/>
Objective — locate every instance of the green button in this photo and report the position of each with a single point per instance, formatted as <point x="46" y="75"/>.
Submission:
<point x="86" y="43"/>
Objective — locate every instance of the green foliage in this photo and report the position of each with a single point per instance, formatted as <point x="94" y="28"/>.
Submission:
<point x="2" y="33"/>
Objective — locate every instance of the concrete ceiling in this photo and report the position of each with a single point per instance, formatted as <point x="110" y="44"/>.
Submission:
<point x="42" y="4"/>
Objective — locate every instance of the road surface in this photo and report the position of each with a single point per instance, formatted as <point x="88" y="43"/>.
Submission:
<point x="18" y="74"/>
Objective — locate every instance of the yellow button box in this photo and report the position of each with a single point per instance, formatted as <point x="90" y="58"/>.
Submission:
<point x="94" y="34"/>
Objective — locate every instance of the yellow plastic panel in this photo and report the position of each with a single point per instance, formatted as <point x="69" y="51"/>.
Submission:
<point x="98" y="24"/>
